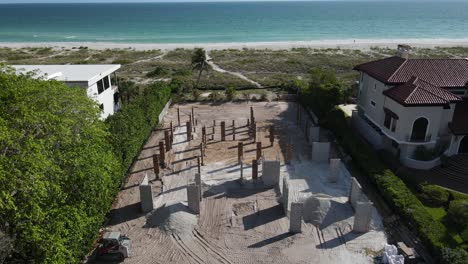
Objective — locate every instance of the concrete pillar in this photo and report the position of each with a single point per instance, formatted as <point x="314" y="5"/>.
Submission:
<point x="285" y="195"/>
<point x="334" y="172"/>
<point x="223" y="131"/>
<point x="189" y="130"/>
<point x="272" y="135"/>
<point x="146" y="195"/>
<point x="259" y="150"/>
<point x="193" y="198"/>
<point x="355" y="193"/>
<point x="199" y="183"/>
<point x="320" y="151"/>
<point x="178" y="115"/>
<point x="162" y="154"/>
<point x="270" y="172"/>
<point x="167" y="140"/>
<point x="233" y="130"/>
<point x="156" y="165"/>
<point x="254" y="170"/>
<point x="362" y="217"/>
<point x="314" y="134"/>
<point x="240" y="151"/>
<point x="295" y="218"/>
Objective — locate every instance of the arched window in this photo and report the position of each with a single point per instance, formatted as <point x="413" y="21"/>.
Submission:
<point x="419" y="129"/>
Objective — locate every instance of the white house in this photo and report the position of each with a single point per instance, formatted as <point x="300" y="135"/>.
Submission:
<point x="404" y="103"/>
<point x="96" y="79"/>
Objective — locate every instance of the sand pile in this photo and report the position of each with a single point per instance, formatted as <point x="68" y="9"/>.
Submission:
<point x="172" y="218"/>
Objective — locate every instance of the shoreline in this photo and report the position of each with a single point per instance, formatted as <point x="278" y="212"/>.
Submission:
<point x="358" y="44"/>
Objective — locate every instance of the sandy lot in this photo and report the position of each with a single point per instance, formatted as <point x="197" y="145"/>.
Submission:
<point x="239" y="221"/>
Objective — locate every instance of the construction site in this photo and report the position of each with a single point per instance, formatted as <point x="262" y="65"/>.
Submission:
<point x="250" y="182"/>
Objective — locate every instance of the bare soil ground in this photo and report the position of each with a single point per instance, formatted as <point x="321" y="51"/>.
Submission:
<point x="239" y="221"/>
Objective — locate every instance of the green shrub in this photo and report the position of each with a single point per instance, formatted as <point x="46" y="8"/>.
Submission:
<point x="464" y="235"/>
<point x="458" y="212"/>
<point x="158" y="72"/>
<point x="58" y="174"/>
<point x="131" y="125"/>
<point x="454" y="256"/>
<point x="434" y="195"/>
<point x="425" y="154"/>
<point x="215" y="96"/>
<point x="230" y="93"/>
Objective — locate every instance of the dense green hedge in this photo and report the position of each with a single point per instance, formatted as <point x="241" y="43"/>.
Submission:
<point x="393" y="189"/>
<point x="58" y="173"/>
<point x="132" y="124"/>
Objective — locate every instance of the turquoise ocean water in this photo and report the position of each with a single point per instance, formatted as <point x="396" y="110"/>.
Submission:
<point x="232" y="22"/>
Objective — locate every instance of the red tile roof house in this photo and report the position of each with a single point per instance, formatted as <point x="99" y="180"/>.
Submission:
<point x="404" y="103"/>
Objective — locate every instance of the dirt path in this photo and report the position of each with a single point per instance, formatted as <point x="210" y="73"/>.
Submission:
<point x="237" y="74"/>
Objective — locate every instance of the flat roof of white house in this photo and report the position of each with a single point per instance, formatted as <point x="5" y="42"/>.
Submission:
<point x="69" y="73"/>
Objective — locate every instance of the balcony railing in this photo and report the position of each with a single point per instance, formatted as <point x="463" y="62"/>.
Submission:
<point x="419" y="140"/>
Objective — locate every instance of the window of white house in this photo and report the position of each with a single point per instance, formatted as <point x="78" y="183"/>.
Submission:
<point x="390" y="120"/>
<point x="372" y="103"/>
<point x="100" y="86"/>
<point x="106" y="82"/>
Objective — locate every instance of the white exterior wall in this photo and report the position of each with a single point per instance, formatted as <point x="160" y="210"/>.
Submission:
<point x="106" y="98"/>
<point x="371" y="90"/>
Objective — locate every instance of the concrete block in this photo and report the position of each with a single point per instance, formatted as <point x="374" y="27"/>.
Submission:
<point x="314" y="134"/>
<point x="198" y="182"/>
<point x="146" y="195"/>
<point x="295" y="218"/>
<point x="320" y="151"/>
<point x="362" y="217"/>
<point x="355" y="193"/>
<point x="285" y="195"/>
<point x="334" y="172"/>
<point x="193" y="197"/>
<point x="270" y="172"/>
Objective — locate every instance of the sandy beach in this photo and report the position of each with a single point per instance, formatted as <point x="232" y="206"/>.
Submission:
<point x="361" y="44"/>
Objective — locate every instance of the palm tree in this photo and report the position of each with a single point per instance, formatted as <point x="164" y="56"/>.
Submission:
<point x="199" y="63"/>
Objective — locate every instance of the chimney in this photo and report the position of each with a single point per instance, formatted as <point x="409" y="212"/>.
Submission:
<point x="403" y="51"/>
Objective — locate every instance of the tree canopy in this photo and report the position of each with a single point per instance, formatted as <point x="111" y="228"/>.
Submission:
<point x="58" y="174"/>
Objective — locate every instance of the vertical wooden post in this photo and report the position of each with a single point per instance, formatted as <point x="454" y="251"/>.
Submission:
<point x="193" y="116"/>
<point x="204" y="134"/>
<point x="241" y="169"/>
<point x="167" y="140"/>
<point x="254" y="170"/>
<point x="233" y="130"/>
<point x="162" y="154"/>
<point x="202" y="153"/>
<point x="172" y="133"/>
<point x="272" y="135"/>
<point x="259" y="150"/>
<point x="307" y="130"/>
<point x="223" y="131"/>
<point x="214" y="125"/>
<point x="198" y="165"/>
<point x="156" y="165"/>
<point x="240" y="151"/>
<point x="178" y="115"/>
<point x="189" y="131"/>
<point x="254" y="131"/>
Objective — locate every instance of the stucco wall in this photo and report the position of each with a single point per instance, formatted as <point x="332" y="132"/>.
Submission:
<point x="371" y="90"/>
<point x="106" y="98"/>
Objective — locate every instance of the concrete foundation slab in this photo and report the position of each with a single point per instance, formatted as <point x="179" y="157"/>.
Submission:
<point x="334" y="173"/>
<point x="362" y="217"/>
<point x="295" y="218"/>
<point x="270" y="172"/>
<point x="193" y="197"/>
<point x="320" y="151"/>
<point x="146" y="195"/>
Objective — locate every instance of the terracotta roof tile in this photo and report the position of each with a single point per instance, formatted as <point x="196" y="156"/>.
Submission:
<point x="444" y="73"/>
<point x="418" y="92"/>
